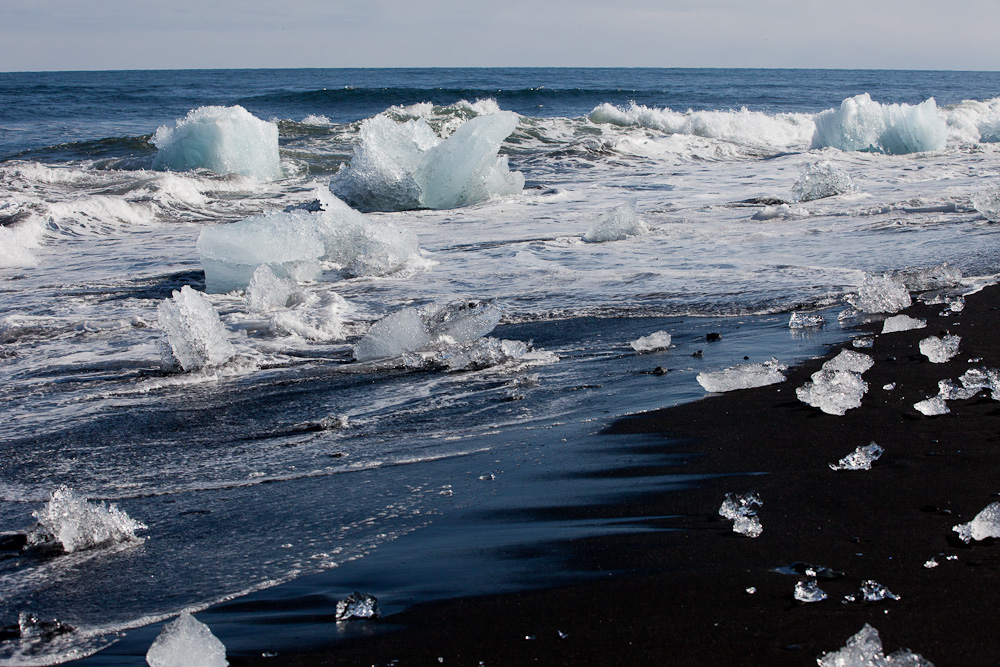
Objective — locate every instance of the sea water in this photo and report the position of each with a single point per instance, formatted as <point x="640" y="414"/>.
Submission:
<point x="431" y="380"/>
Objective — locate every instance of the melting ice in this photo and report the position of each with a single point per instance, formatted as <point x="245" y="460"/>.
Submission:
<point x="860" y="459"/>
<point x="864" y="649"/>
<point x="741" y="510"/>
<point x="821" y="180"/>
<point x="658" y="340"/>
<point x="940" y="350"/>
<point x="985" y="524"/>
<point x="860" y="124"/>
<point x="617" y="224"/>
<point x="898" y="323"/>
<point x="76" y="524"/>
<point x="186" y="642"/>
<point x="743" y="376"/>
<point x="195" y="335"/>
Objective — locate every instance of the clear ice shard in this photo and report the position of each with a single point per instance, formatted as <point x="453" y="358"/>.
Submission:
<point x="357" y="606"/>
<point x="743" y="376"/>
<point x="872" y="591"/>
<point x="186" y="642"/>
<point x="940" y="350"/>
<point x="864" y="649"/>
<point x="982" y="378"/>
<point x="985" y="524"/>
<point x="849" y="360"/>
<point x="399" y="332"/>
<point x="226" y="140"/>
<point x="833" y="391"/>
<point x="820" y="180"/>
<point x="75" y="524"/>
<point x="195" y="335"/>
<point x="741" y="510"/>
<point x="616" y="224"/>
<point x="932" y="407"/>
<point x="939" y="276"/>
<point x="658" y="340"/>
<point x="898" y="323"/>
<point x="805" y="320"/>
<point x="809" y="591"/>
<point x="860" y="459"/>
<point x="880" y="293"/>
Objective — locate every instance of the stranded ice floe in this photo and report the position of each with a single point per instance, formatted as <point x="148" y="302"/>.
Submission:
<point x="898" y="323"/>
<point x="186" y="642"/>
<point x="743" y="376"/>
<point x="837" y="386"/>
<point x="658" y="340"/>
<point x="940" y="350"/>
<point x="860" y="459"/>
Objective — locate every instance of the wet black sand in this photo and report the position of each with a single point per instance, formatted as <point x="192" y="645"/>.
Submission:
<point x="675" y="593"/>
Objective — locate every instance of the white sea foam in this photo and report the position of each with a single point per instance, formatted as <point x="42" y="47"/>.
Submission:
<point x="76" y="524"/>
<point x="861" y="124"/>
<point x="19" y="239"/>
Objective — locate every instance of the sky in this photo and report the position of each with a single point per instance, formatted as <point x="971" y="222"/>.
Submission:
<point x="164" y="34"/>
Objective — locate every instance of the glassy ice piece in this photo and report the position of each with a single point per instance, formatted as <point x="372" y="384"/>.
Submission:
<point x="464" y="320"/>
<point x="809" y="591"/>
<point x="987" y="202"/>
<point x="935" y="277"/>
<point x="195" y="335"/>
<point x="820" y="180"/>
<point x="864" y="342"/>
<point x="902" y="323"/>
<point x="904" y="657"/>
<point x="741" y="510"/>
<point x="402" y="331"/>
<point x="357" y="605"/>
<point x="834" y="392"/>
<point x="76" y="524"/>
<point x="932" y="406"/>
<point x="743" y="376"/>
<point x="186" y="642"/>
<point x="805" y="320"/>
<point x="848" y="360"/>
<point x="617" y="224"/>
<point x="939" y="350"/>
<point x="860" y="459"/>
<point x="950" y="391"/>
<point x="227" y="140"/>
<point x="872" y="591"/>
<point x="267" y="292"/>
<point x="477" y="354"/>
<point x="658" y="340"/>
<point x="30" y="626"/>
<point x="982" y="378"/>
<point x="864" y="649"/>
<point x="361" y="244"/>
<point x="880" y="294"/>
<point x="861" y="124"/>
<point x="985" y="524"/>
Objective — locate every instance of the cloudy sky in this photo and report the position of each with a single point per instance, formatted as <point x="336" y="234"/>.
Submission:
<point x="154" y="34"/>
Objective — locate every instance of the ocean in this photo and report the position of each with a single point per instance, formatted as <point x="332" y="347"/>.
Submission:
<point x="260" y="489"/>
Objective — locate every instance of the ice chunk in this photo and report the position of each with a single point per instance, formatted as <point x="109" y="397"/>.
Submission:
<point x="872" y="591"/>
<point x="402" y="331"/>
<point x="860" y="124"/>
<point x="267" y="292"/>
<point x="75" y="524"/>
<point x="186" y="642"/>
<point x="463" y="321"/>
<point x="287" y="242"/>
<point x="809" y="591"/>
<point x="474" y="355"/>
<point x="932" y="406"/>
<point x="357" y="605"/>
<point x="834" y="392"/>
<point x="195" y="336"/>
<point x="935" y="277"/>
<point x="865" y="650"/>
<point x="848" y="360"/>
<point x="774" y="212"/>
<point x="804" y="320"/>
<point x="658" y="340"/>
<point x="821" y="180"/>
<point x="361" y="245"/>
<point x="616" y="224"/>
<point x="864" y="342"/>
<point x="741" y="510"/>
<point x="860" y="459"/>
<point x="985" y="524"/>
<point x="898" y="323"/>
<point x="227" y="140"/>
<point x="987" y="202"/>
<point x="881" y="294"/>
<point x="743" y="376"/>
<point x="940" y="350"/>
<point x="982" y="378"/>
<point x="321" y="317"/>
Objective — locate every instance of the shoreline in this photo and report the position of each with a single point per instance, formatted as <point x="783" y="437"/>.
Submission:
<point x="679" y="590"/>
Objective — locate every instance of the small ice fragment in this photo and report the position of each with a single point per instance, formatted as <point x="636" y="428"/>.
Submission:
<point x="832" y="391"/>
<point x="985" y="524"/>
<point x="931" y="564"/>
<point x="848" y="360"/>
<point x="783" y="211"/>
<point x="864" y="342"/>
<point x="475" y="355"/>
<point x="950" y="391"/>
<point x="820" y="180"/>
<point x="402" y="331"/>
<point x="195" y="335"/>
<point x="77" y="524"/>
<point x="617" y="224"/>
<point x="880" y="294"/>
<point x="982" y="378"/>
<point x="939" y="276"/>
<point x="659" y="340"/>
<point x="987" y="202"/>
<point x="741" y="511"/>
<point x="956" y="305"/>
<point x="860" y="459"/>
<point x="751" y="590"/>
<point x="805" y="320"/>
<point x="889" y="387"/>
<point x="743" y="376"/>
<point x="902" y="323"/>
<point x="940" y="350"/>
<point x="357" y="605"/>
<point x="932" y="406"/>
<point x="872" y="591"/>
<point x="186" y="642"/>
<point x="809" y="591"/>
<point x="30" y="626"/>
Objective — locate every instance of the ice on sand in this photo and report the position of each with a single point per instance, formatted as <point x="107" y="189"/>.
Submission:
<point x="860" y="459"/>
<point x="985" y="524"/>
<point x="982" y="378"/>
<point x="932" y="407"/>
<point x="741" y="510"/>
<point x="864" y="649"/>
<point x="805" y="320"/>
<point x="357" y="606"/>
<point x="848" y="360"/>
<point x="227" y="140"/>
<point x="940" y="350"/>
<point x="861" y="124"/>
<point x="833" y="391"/>
<point x="616" y="224"/>
<point x="809" y="591"/>
<point x="821" y="180"/>
<point x="881" y="294"/>
<point x="658" y="340"/>
<point x="195" y="336"/>
<point x="898" y="323"/>
<point x="743" y="376"/>
<point x="186" y="642"/>
<point x="76" y="524"/>
<point x="403" y="166"/>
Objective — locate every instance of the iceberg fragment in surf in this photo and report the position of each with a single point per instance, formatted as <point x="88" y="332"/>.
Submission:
<point x="742" y="511"/>
<point x="935" y="277"/>
<point x="357" y="606"/>
<point x="864" y="649"/>
<point x="986" y="524"/>
<point x="195" y="335"/>
<point x="860" y="459"/>
<point x="805" y="321"/>
<point x="226" y="140"/>
<point x="833" y="391"/>
<point x="987" y="202"/>
<point x="404" y="166"/>
<point x="186" y="642"/>
<point x="743" y="376"/>
<point x="74" y="524"/>
<point x="820" y="180"/>
<point x="616" y="224"/>
<point x="658" y="340"/>
<point x="898" y="323"/>
<point x="267" y="292"/>
<point x="861" y="124"/>
<point x="881" y="294"/>
<point x="940" y="350"/>
<point x="292" y="310"/>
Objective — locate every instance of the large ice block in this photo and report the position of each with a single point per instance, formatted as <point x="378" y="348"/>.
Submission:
<point x="861" y="124"/>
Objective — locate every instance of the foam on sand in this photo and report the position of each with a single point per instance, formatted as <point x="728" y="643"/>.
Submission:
<point x="186" y="642"/>
<point x="861" y="124"/>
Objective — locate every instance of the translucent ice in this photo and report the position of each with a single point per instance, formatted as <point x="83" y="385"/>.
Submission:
<point x="75" y="524"/>
<point x="741" y="510"/>
<point x="865" y="650"/>
<point x="860" y="124"/>
<point x="985" y="524"/>
<point x="743" y="376"/>
<point x="902" y="323"/>
<point x="402" y="331"/>
<point x="872" y="591"/>
<point x="472" y="355"/>
<point x="463" y="321"/>
<point x="821" y="180"/>
<point x="616" y="224"/>
<point x="186" y="642"/>
<point x="658" y="340"/>
<point x="809" y="591"/>
<point x="360" y="244"/>
<point x="982" y="378"/>
<point x="860" y="459"/>
<point x="848" y="360"/>
<point x="223" y="139"/>
<point x="834" y="392"/>
<point x="805" y="320"/>
<point x="881" y="294"/>
<point x="267" y="292"/>
<point x="934" y="277"/>
<point x="357" y="605"/>
<point x="195" y="336"/>
<point x="987" y="202"/>
<point x="939" y="350"/>
<point x="933" y="406"/>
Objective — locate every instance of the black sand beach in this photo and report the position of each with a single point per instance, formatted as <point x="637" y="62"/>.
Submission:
<point x="677" y="593"/>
